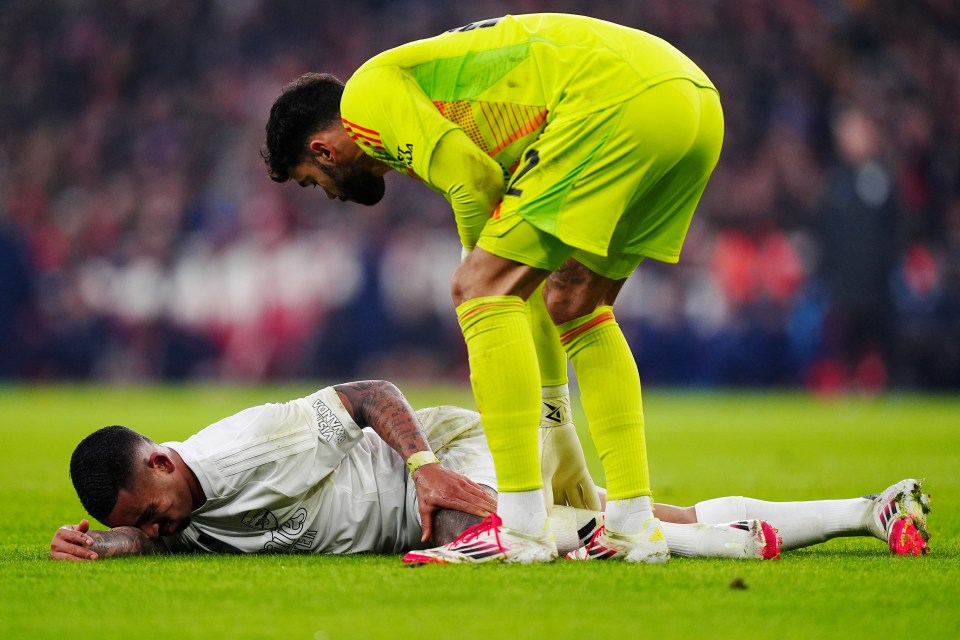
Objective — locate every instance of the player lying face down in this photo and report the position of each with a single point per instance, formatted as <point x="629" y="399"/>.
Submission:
<point x="304" y="476"/>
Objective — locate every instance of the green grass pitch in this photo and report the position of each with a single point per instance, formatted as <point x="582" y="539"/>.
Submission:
<point x="771" y="446"/>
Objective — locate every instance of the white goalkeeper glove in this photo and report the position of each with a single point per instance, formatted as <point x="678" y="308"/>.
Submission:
<point x="566" y="480"/>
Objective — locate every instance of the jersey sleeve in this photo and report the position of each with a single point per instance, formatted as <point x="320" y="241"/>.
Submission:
<point x="387" y="113"/>
<point x="335" y="426"/>
<point x="470" y="180"/>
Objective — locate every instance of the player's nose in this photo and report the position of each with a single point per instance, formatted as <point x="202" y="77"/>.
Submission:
<point x="152" y="530"/>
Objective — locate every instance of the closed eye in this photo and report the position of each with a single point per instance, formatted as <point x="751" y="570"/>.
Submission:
<point x="144" y="518"/>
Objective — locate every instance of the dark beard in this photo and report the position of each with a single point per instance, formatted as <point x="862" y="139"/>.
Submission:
<point x="357" y="185"/>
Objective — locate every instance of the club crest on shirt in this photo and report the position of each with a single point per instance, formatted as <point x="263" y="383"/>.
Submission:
<point x="261" y="519"/>
<point x="328" y="423"/>
<point x="292" y="536"/>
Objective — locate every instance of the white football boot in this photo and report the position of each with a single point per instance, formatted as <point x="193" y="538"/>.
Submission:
<point x="899" y="517"/>
<point x="647" y="546"/>
<point x="489" y="541"/>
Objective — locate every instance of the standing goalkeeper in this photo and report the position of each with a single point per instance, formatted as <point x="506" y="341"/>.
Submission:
<point x="570" y="149"/>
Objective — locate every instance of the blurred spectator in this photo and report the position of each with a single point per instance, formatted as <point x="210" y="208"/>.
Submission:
<point x="145" y="241"/>
<point x="16" y="302"/>
<point x="860" y="220"/>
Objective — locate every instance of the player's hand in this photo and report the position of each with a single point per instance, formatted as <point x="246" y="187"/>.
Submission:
<point x="71" y="542"/>
<point x="441" y="488"/>
<point x="566" y="480"/>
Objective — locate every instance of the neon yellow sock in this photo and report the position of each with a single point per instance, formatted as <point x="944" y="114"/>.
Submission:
<point x="610" y="393"/>
<point x="546" y="338"/>
<point x="506" y="386"/>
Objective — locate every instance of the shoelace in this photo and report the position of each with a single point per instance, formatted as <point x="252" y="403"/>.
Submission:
<point x="493" y="520"/>
<point x="593" y="540"/>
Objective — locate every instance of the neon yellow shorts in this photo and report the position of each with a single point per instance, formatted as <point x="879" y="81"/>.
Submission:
<point x="612" y="188"/>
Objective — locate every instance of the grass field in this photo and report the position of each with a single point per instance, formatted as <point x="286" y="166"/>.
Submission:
<point x="772" y="446"/>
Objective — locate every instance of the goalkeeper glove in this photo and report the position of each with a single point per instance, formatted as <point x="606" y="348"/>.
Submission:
<point x="566" y="480"/>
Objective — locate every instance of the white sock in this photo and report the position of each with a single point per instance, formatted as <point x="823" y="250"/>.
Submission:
<point x="573" y="528"/>
<point x="627" y="516"/>
<point x="682" y="538"/>
<point x="800" y="524"/>
<point x="523" y="511"/>
<point x="701" y="540"/>
<point x="720" y="510"/>
<point x="555" y="406"/>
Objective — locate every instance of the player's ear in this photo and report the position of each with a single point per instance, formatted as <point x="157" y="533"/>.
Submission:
<point x="322" y="150"/>
<point x="161" y="461"/>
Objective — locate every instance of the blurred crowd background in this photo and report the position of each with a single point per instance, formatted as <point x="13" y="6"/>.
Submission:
<point x="140" y="238"/>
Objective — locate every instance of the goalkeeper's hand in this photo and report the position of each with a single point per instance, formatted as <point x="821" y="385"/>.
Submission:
<point x="566" y="480"/>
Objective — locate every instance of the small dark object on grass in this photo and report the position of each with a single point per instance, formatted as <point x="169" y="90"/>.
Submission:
<point x="738" y="583"/>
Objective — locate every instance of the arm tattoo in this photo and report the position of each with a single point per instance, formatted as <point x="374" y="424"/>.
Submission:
<point x="124" y="541"/>
<point x="378" y="404"/>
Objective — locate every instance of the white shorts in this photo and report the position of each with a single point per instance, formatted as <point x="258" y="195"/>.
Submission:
<point x="457" y="437"/>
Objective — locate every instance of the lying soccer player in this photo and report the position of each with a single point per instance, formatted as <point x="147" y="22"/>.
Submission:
<point x="305" y="476"/>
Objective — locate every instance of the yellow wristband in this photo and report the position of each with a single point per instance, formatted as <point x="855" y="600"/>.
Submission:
<point x="421" y="458"/>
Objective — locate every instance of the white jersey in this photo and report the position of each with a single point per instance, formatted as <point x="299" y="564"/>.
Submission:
<point x="303" y="477"/>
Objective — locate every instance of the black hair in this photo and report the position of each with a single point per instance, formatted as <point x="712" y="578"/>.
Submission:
<point x="102" y="464"/>
<point x="309" y="104"/>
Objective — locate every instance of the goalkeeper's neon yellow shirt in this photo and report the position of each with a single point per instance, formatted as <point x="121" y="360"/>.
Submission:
<point x="501" y="81"/>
